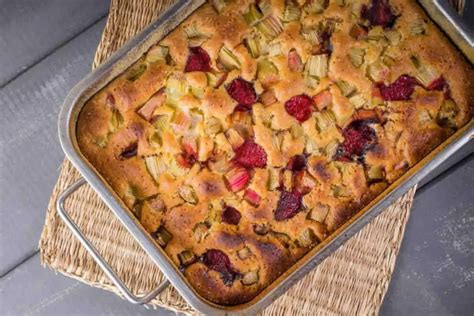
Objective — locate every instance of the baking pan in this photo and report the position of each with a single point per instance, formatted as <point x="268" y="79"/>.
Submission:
<point x="131" y="52"/>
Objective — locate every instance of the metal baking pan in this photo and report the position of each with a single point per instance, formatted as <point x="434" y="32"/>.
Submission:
<point x="131" y="52"/>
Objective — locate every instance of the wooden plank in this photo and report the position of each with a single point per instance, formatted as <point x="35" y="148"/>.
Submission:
<point x="31" y="29"/>
<point x="33" y="290"/>
<point x="29" y="145"/>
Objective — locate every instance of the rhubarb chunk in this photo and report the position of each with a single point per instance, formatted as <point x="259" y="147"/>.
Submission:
<point x="252" y="197"/>
<point x="237" y="178"/>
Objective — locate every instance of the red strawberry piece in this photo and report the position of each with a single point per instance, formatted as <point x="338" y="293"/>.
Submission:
<point x="300" y="107"/>
<point x="296" y="163"/>
<point x="251" y="155"/>
<point x="230" y="216"/>
<point x="294" y="61"/>
<point x="323" y="99"/>
<point x="379" y="13"/>
<point x="198" y="60"/>
<point x="289" y="205"/>
<point x="440" y="84"/>
<point x="217" y="260"/>
<point x="437" y="84"/>
<point x="243" y="92"/>
<point x="400" y="89"/>
<point x="358" y="138"/>
<point x="252" y="197"/>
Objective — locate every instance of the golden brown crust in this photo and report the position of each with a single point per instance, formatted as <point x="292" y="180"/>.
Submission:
<point x="168" y="138"/>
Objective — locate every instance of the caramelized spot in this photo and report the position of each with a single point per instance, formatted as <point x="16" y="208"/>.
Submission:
<point x="129" y="152"/>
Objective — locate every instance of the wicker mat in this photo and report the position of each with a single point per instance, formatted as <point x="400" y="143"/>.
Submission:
<point x="351" y="281"/>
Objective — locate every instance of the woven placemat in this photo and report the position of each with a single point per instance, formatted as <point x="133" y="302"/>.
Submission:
<point x="351" y="281"/>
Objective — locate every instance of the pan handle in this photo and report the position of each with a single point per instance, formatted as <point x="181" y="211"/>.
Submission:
<point x="95" y="254"/>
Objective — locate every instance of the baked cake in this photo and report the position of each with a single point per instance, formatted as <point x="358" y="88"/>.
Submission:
<point x="253" y="130"/>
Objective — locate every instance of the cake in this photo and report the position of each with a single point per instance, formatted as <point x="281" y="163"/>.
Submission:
<point x="254" y="130"/>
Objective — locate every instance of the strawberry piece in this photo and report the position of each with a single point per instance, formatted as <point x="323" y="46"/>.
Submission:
<point x="230" y="216"/>
<point x="289" y="205"/>
<point x="437" y="84"/>
<point x="243" y="92"/>
<point x="252" y="197"/>
<point x="237" y="178"/>
<point x="323" y="99"/>
<point x="296" y="163"/>
<point x="358" y="138"/>
<point x="300" y="107"/>
<point x="440" y="84"/>
<point x="217" y="260"/>
<point x="251" y="155"/>
<point x="294" y="61"/>
<point x="198" y="60"/>
<point x="379" y="13"/>
<point x="400" y="89"/>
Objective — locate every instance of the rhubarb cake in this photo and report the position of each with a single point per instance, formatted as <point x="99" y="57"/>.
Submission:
<point x="255" y="129"/>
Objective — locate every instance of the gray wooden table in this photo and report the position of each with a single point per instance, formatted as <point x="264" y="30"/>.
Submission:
<point x="45" y="48"/>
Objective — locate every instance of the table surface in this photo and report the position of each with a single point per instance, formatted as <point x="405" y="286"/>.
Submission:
<point x="45" y="48"/>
